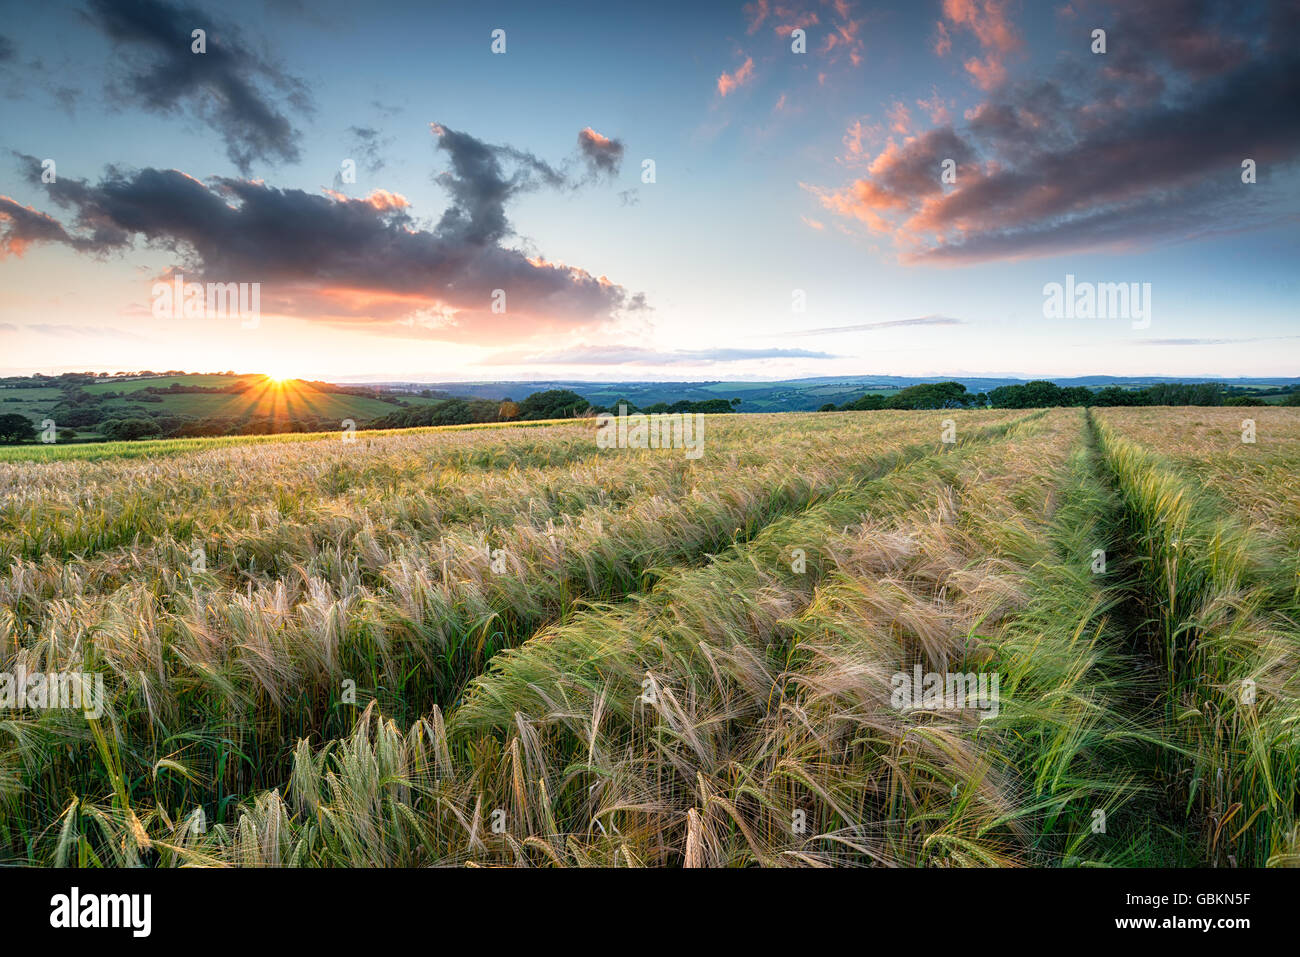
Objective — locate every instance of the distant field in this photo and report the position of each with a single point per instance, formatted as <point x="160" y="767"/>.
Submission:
<point x="29" y="402"/>
<point x="298" y="402"/>
<point x="329" y="653"/>
<point x="153" y="448"/>
<point x="124" y="384"/>
<point x="263" y="399"/>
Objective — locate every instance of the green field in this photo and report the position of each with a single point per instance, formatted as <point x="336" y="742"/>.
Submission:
<point x="503" y="645"/>
<point x="278" y="405"/>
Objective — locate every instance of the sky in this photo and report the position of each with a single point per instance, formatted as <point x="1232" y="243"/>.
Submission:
<point x="620" y="191"/>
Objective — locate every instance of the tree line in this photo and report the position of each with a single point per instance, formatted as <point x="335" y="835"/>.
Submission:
<point x="1042" y="394"/>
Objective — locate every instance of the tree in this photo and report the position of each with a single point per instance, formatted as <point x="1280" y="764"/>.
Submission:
<point x="866" y="403"/>
<point x="1113" y="395"/>
<point x="553" y="404"/>
<point x="16" y="428"/>
<point x="707" y="405"/>
<point x="124" y="430"/>
<point x="931" y="395"/>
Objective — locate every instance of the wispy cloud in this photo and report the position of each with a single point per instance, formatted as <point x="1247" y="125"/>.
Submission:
<point x="1211" y="342"/>
<point x="875" y="326"/>
<point x="635" y="355"/>
<point x="730" y="82"/>
<point x="63" y="331"/>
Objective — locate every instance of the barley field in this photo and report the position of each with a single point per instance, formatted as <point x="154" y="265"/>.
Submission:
<point x="507" y="646"/>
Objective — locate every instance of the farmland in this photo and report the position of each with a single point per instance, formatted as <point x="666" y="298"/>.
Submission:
<point x="503" y="645"/>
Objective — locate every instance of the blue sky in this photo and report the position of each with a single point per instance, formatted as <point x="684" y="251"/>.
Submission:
<point x="776" y="172"/>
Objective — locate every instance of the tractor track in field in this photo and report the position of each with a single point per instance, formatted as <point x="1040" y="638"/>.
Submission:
<point x="1156" y="808"/>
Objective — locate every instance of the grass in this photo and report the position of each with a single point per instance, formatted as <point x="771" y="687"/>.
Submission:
<point x="1223" y="623"/>
<point x="503" y="646"/>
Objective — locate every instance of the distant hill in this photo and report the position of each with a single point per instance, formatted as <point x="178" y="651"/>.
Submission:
<point x="791" y="395"/>
<point x="89" y="407"/>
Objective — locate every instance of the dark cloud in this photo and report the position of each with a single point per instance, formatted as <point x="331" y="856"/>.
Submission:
<point x="602" y="155"/>
<point x="354" y="261"/>
<point x="20" y="226"/>
<point x="7" y="49"/>
<point x="1142" y="144"/>
<point x="229" y="85"/>
<point x="479" y="187"/>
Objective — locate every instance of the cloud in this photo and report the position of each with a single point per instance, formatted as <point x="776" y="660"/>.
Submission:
<point x="479" y="188"/>
<point x="635" y="355"/>
<point x="844" y="36"/>
<point x="730" y="82"/>
<point x="900" y="119"/>
<point x="875" y="326"/>
<point x="229" y="86"/>
<point x="21" y="226"/>
<point x="840" y="34"/>
<point x="367" y="143"/>
<point x="86" y="332"/>
<point x="936" y="108"/>
<point x="356" y="262"/>
<point x="942" y="40"/>
<point x="1210" y="342"/>
<point x="602" y="154"/>
<point x="993" y="29"/>
<point x="1094" y="159"/>
<point x="7" y="49"/>
<point x="756" y="13"/>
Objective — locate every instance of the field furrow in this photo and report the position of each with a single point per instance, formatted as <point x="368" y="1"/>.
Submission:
<point x="1217" y="590"/>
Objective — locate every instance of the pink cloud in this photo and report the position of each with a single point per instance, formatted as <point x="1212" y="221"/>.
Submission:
<point x="943" y="43"/>
<point x="900" y="119"/>
<point x="935" y="108"/>
<point x="729" y="82"/>
<point x="989" y="21"/>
